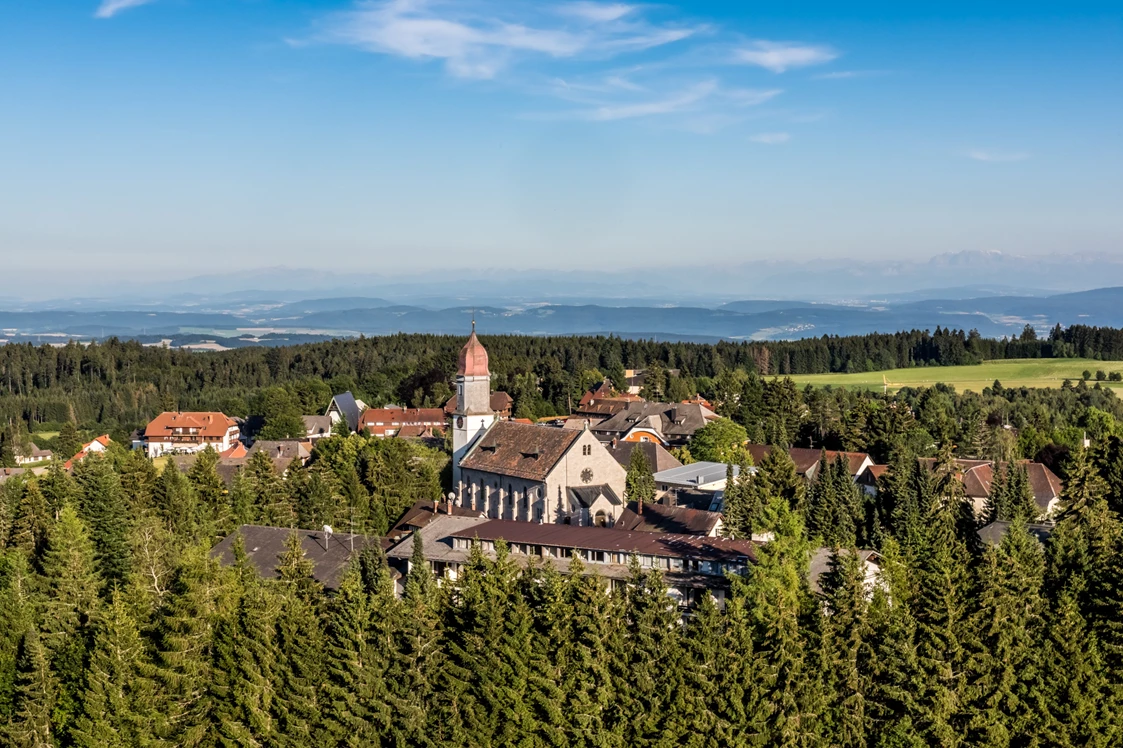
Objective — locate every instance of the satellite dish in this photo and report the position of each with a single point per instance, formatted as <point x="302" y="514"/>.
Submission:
<point x="327" y="529"/>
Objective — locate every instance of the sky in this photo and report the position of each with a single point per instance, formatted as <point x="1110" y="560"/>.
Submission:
<point x="150" y="139"/>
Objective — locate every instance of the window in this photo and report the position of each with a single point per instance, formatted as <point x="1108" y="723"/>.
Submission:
<point x="601" y="519"/>
<point x="597" y="556"/>
<point x="587" y="450"/>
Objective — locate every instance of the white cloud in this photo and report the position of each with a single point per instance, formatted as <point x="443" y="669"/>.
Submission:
<point x="771" y="138"/>
<point x="477" y="45"/>
<point x="598" y="12"/>
<point x="782" y="56"/>
<point x="996" y="157"/>
<point x="679" y="102"/>
<point x="110" y="8"/>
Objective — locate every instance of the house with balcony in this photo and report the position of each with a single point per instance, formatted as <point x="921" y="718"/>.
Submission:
<point x="183" y="433"/>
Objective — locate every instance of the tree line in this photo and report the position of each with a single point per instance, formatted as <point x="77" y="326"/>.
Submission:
<point x="118" y="629"/>
<point x="117" y="386"/>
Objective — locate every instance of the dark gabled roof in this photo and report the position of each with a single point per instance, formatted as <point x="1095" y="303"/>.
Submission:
<point x="993" y="533"/>
<point x="807" y="460"/>
<point x="612" y="540"/>
<point x="662" y="518"/>
<point x="317" y="425"/>
<point x="346" y="404"/>
<point x="423" y="512"/>
<point x="264" y="546"/>
<point x="676" y="419"/>
<point x="519" y="450"/>
<point x="587" y="495"/>
<point x="289" y="449"/>
<point x="658" y="458"/>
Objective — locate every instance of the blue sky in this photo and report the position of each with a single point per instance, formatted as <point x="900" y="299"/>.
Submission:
<point x="180" y="137"/>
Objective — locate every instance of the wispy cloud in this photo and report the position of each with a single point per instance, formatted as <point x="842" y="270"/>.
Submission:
<point x="677" y="103"/>
<point x="476" y="45"/>
<point x="607" y="61"/>
<point x="110" y="8"/>
<point x="771" y="138"/>
<point x="780" y="57"/>
<point x="996" y="157"/>
<point x="599" y="12"/>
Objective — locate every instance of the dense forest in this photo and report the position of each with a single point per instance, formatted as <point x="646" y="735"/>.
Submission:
<point x="118" y="629"/>
<point x="116" y="387"/>
<point x="58" y="397"/>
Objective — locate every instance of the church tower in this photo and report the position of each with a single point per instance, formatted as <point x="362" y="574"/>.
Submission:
<point x="473" y="414"/>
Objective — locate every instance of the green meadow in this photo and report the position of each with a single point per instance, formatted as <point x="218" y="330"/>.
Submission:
<point x="1012" y="373"/>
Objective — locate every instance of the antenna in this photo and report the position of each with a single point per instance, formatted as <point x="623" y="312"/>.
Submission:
<point x="327" y="535"/>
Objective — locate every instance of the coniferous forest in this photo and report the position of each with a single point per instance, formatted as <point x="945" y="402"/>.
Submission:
<point x="117" y="628"/>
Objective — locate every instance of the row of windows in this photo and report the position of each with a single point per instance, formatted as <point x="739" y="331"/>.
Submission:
<point x="664" y="563"/>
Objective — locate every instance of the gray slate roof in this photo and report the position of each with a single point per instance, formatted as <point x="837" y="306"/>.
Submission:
<point x="993" y="533"/>
<point x="349" y="408"/>
<point x="264" y="546"/>
<point x="586" y="495"/>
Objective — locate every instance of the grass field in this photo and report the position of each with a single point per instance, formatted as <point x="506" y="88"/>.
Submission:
<point x="1016" y="373"/>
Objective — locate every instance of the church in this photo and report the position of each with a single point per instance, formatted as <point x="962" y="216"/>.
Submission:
<point x="518" y="471"/>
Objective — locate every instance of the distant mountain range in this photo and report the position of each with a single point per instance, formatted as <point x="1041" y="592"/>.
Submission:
<point x="256" y="321"/>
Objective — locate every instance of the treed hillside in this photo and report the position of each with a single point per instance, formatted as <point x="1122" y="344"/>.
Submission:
<point x="119" y="386"/>
<point x="116" y="628"/>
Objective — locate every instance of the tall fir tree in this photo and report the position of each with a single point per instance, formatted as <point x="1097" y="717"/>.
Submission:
<point x="119" y="701"/>
<point x="30" y="522"/>
<point x="845" y="638"/>
<point x="1004" y="637"/>
<point x="102" y="507"/>
<point x="941" y="609"/>
<point x="32" y="725"/>
<point x="639" y="484"/>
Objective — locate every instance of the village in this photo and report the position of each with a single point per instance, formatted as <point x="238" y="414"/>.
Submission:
<point x="551" y="491"/>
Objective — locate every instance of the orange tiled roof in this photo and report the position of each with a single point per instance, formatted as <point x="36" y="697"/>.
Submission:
<point x="209" y="425"/>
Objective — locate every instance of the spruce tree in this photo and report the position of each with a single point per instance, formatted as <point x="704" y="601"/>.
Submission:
<point x="347" y="704"/>
<point x="69" y="585"/>
<point x="58" y="487"/>
<point x="245" y="662"/>
<point x="138" y="477"/>
<point x="271" y="499"/>
<point x="896" y="677"/>
<point x="584" y="629"/>
<point x="647" y="661"/>
<point x="209" y="489"/>
<point x="776" y="594"/>
<point x="16" y="617"/>
<point x="845" y="638"/>
<point x="119" y="701"/>
<point x="1073" y="687"/>
<point x="31" y="521"/>
<point x="295" y="568"/>
<point x="414" y="673"/>
<point x="940" y="611"/>
<point x="31" y="725"/>
<point x="177" y="504"/>
<point x="300" y="671"/>
<point x="200" y="596"/>
<point x="639" y="484"/>
<point x="1004" y="634"/>
<point x="68" y="442"/>
<point x="102" y="507"/>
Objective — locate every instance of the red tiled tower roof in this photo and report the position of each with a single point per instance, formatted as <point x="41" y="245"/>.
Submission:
<point x="473" y="357"/>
